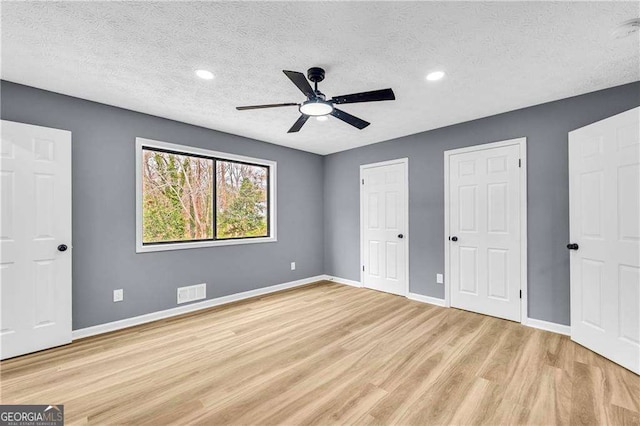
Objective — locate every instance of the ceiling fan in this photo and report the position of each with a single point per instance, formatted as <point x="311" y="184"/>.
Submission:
<point x="317" y="104"/>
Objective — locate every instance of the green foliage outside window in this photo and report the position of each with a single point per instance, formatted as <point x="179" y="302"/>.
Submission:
<point x="241" y="194"/>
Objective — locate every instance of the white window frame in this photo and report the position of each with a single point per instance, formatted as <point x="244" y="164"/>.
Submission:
<point x="150" y="143"/>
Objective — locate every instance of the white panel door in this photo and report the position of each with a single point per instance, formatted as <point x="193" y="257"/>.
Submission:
<point x="485" y="230"/>
<point x="384" y="216"/>
<point x="604" y="183"/>
<point x="35" y="274"/>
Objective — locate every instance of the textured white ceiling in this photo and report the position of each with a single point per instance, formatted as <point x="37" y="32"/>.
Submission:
<point x="142" y="56"/>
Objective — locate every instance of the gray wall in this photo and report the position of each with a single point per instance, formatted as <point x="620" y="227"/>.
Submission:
<point x="104" y="200"/>
<point x="104" y="256"/>
<point x="545" y="126"/>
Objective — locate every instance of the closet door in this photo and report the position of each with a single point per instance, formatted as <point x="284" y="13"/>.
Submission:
<point x="35" y="238"/>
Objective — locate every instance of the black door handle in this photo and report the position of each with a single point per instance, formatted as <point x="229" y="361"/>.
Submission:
<point x="573" y="246"/>
<point x="400" y="236"/>
<point x="454" y="239"/>
<point x="62" y="247"/>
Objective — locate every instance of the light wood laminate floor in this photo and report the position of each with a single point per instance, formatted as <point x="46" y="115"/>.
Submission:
<point x="327" y="354"/>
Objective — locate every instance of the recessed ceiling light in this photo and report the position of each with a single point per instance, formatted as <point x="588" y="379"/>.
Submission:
<point x="204" y="74"/>
<point x="322" y="118"/>
<point x="627" y="28"/>
<point x="435" y="76"/>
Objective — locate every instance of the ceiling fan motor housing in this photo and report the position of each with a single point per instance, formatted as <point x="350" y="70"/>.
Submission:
<point x="315" y="74"/>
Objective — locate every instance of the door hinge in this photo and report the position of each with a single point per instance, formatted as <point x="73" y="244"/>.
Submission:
<point x="363" y="181"/>
<point x="520" y="294"/>
<point x="362" y="268"/>
<point x="519" y="162"/>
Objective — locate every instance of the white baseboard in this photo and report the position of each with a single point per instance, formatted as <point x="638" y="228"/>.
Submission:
<point x="155" y="316"/>
<point x="548" y="326"/>
<point x="529" y="322"/>
<point x="426" y="299"/>
<point x="172" y="312"/>
<point x="343" y="281"/>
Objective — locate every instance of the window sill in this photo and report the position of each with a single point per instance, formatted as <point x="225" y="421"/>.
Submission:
<point x="201" y="244"/>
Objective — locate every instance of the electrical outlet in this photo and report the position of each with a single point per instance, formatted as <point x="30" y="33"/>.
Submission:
<point x="118" y="295"/>
<point x="439" y="279"/>
<point x="293" y="266"/>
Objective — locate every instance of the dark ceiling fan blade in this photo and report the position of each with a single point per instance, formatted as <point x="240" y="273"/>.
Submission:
<point x="242" y="108"/>
<point x="301" y="82"/>
<point x="298" y="124"/>
<point x="375" y="95"/>
<point x="349" y="119"/>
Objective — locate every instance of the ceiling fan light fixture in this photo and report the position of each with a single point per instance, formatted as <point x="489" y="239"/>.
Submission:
<point x="322" y="118"/>
<point x="316" y="107"/>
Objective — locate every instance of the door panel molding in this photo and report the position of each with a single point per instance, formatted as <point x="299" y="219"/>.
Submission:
<point x="494" y="166"/>
<point x="405" y="232"/>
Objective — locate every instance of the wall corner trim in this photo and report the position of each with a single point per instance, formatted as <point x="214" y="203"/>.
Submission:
<point x="179" y="310"/>
<point x="343" y="281"/>
<point x="426" y="299"/>
<point x="548" y="326"/>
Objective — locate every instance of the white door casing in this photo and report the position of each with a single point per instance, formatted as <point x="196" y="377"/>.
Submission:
<point x="604" y="187"/>
<point x="35" y="277"/>
<point x="384" y="226"/>
<point x="485" y="229"/>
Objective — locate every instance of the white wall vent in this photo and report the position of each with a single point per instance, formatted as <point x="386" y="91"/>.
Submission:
<point x="192" y="292"/>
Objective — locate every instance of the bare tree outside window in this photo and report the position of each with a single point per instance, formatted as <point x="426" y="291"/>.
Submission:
<point x="177" y="197"/>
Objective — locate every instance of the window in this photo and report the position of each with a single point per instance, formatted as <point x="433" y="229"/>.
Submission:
<point x="190" y="197"/>
<point x="242" y="200"/>
<point x="177" y="197"/>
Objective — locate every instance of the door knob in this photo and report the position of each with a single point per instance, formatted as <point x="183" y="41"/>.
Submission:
<point x="454" y="239"/>
<point x="573" y="246"/>
<point x="62" y="247"/>
<point x="400" y="236"/>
